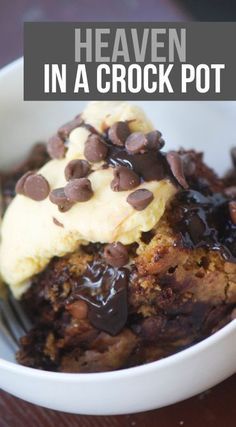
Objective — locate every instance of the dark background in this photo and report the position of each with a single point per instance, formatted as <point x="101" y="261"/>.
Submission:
<point x="14" y="12"/>
<point x="216" y="407"/>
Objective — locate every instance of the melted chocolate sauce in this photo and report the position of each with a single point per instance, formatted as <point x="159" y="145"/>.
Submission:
<point x="104" y="288"/>
<point x="149" y="166"/>
<point x="204" y="221"/>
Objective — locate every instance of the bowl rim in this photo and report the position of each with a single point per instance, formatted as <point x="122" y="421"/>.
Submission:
<point x="17" y="63"/>
<point x="167" y="362"/>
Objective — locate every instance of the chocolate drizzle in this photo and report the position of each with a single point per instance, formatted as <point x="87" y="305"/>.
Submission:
<point x="204" y="221"/>
<point x="151" y="165"/>
<point x="104" y="289"/>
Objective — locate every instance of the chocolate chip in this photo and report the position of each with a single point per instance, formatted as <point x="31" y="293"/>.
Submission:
<point x="21" y="182"/>
<point x="155" y="140"/>
<point x="118" y="133"/>
<point x="136" y="143"/>
<point x="95" y="149"/>
<point x="65" y="130"/>
<point x="176" y="167"/>
<point x="65" y="207"/>
<point x="58" y="197"/>
<point x="232" y="211"/>
<point x="230" y="191"/>
<point x="36" y="187"/>
<point x="124" y="179"/>
<point x="116" y="254"/>
<point x="140" y="199"/>
<point x="79" y="190"/>
<point x="56" y="147"/>
<point x="58" y="223"/>
<point x="77" y="169"/>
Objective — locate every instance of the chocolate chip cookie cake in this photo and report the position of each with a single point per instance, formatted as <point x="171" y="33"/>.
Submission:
<point x="121" y="253"/>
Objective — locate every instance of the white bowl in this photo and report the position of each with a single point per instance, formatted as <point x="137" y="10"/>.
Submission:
<point x="208" y="126"/>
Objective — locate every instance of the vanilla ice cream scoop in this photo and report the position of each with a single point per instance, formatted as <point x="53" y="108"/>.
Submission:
<point x="33" y="232"/>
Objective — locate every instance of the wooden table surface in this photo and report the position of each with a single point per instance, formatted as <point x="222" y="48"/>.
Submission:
<point x="214" y="408"/>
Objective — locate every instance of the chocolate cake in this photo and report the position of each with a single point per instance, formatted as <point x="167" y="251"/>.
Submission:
<point x="109" y="305"/>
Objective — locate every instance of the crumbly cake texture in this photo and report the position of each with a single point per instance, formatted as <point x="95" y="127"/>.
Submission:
<point x="111" y="306"/>
<point x="176" y="297"/>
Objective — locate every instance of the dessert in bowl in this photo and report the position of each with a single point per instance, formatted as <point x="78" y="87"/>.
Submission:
<point x="122" y="253"/>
